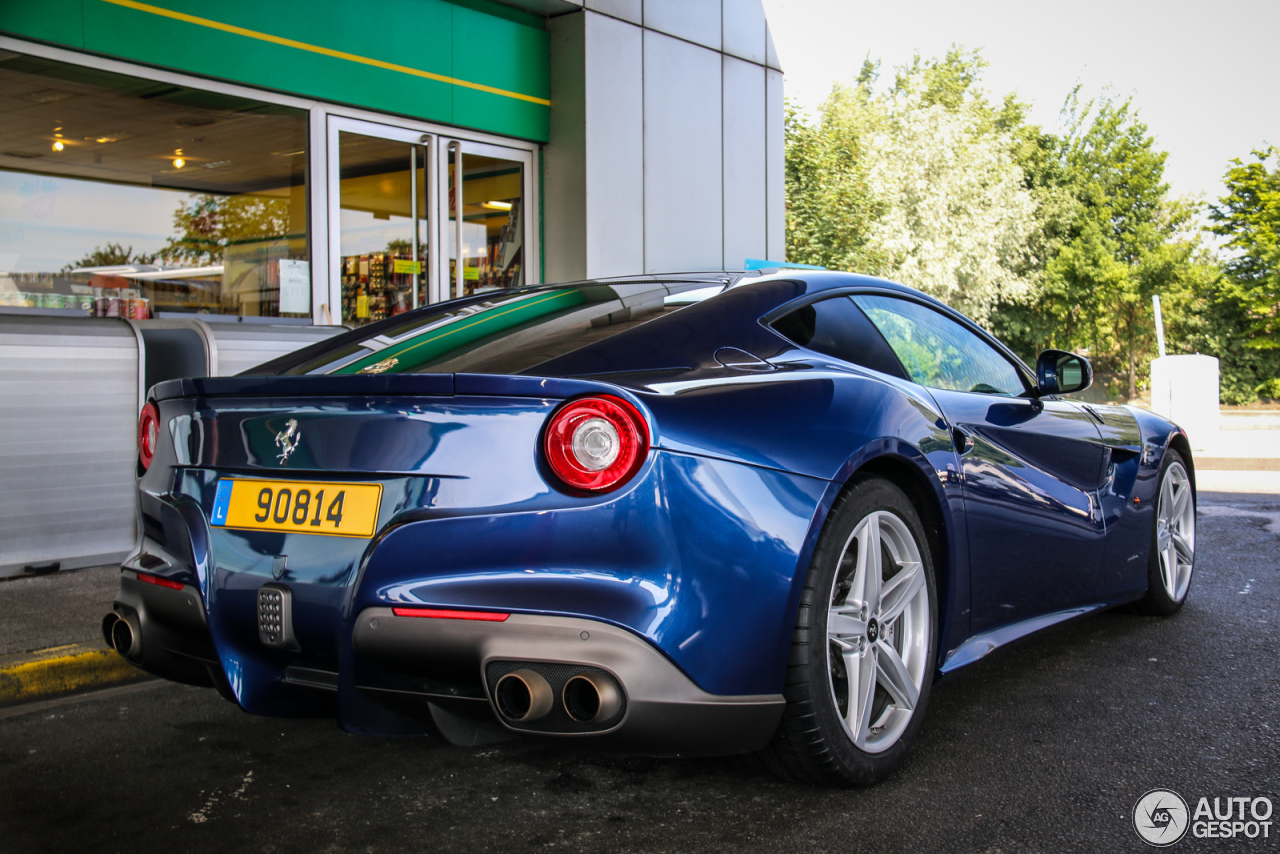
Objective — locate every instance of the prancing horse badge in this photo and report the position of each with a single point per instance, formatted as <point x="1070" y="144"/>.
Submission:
<point x="287" y="440"/>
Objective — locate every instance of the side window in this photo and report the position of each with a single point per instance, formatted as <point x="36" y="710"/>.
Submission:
<point x="837" y="327"/>
<point x="938" y="352"/>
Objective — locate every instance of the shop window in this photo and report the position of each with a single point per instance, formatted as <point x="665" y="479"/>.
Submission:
<point x="121" y="196"/>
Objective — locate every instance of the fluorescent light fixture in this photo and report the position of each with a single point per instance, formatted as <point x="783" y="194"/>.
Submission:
<point x="497" y="206"/>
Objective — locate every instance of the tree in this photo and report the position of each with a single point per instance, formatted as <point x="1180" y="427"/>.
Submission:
<point x="1054" y="240"/>
<point x="1114" y="238"/>
<point x="1249" y="217"/>
<point x="829" y="208"/>
<point x="111" y="255"/>
<point x="958" y="216"/>
<point x="917" y="183"/>
<point x="206" y="224"/>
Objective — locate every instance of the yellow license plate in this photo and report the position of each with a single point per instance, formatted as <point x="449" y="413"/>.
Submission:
<point x="335" y="509"/>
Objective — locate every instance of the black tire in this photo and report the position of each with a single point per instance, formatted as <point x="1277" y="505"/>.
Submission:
<point x="814" y="743"/>
<point x="1173" y="535"/>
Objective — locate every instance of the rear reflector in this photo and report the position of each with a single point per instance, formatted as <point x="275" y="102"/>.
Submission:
<point x="159" y="581"/>
<point x="445" y="614"/>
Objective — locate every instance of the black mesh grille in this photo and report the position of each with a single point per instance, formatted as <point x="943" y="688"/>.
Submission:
<point x="557" y="720"/>
<point x="274" y="619"/>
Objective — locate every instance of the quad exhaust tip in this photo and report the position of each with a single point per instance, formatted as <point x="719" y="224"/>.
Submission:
<point x="523" y="695"/>
<point x="591" y="697"/>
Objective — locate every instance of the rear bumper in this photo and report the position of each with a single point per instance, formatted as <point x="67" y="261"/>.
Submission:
<point x="445" y="671"/>
<point x="169" y="635"/>
<point x="663" y="711"/>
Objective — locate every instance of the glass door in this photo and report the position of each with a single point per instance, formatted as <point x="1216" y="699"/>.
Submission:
<point x="392" y="203"/>
<point x="379" y="218"/>
<point x="489" y="183"/>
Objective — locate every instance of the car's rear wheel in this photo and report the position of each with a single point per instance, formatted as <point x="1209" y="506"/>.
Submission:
<point x="862" y="656"/>
<point x="1173" y="540"/>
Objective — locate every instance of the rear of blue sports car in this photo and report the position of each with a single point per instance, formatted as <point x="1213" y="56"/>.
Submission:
<point x="471" y="520"/>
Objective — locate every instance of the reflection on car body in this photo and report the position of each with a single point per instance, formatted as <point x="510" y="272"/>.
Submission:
<point x="763" y="520"/>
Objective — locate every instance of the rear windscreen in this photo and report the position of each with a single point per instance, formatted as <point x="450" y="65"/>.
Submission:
<point x="508" y="332"/>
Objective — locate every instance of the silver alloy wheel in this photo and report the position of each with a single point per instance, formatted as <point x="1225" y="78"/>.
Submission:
<point x="878" y="631"/>
<point x="1176" y="531"/>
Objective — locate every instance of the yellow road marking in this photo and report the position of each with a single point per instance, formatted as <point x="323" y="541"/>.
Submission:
<point x="324" y="51"/>
<point x="62" y="669"/>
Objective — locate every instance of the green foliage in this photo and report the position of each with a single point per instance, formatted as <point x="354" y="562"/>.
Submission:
<point x="1216" y="322"/>
<point x="917" y="183"/>
<point x="1110" y="238"/>
<point x="829" y="207"/>
<point x="1269" y="390"/>
<point x="1249" y="217"/>
<point x="111" y="255"/>
<point x="1054" y="240"/>
<point x="1126" y="243"/>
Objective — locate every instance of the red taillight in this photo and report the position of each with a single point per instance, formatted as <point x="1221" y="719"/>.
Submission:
<point x="160" y="581"/>
<point x="448" y="614"/>
<point x="596" y="443"/>
<point x="148" y="434"/>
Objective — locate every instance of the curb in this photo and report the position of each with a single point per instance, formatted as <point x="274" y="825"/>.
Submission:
<point x="1236" y="463"/>
<point x="62" y="670"/>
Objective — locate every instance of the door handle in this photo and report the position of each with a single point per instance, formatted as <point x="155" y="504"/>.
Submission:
<point x="962" y="440"/>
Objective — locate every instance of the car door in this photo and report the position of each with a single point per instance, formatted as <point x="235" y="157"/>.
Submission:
<point x="1030" y="467"/>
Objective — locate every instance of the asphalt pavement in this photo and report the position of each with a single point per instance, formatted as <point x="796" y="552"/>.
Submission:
<point x="1043" y="746"/>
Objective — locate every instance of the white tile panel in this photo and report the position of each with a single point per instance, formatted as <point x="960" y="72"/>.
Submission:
<point x="694" y="20"/>
<point x="775" y="178"/>
<point x="745" y="200"/>
<point x="683" y="189"/>
<point x="564" y="158"/>
<point x="744" y="29"/>
<point x="628" y="10"/>
<point x="614" y="147"/>
<point x="770" y="52"/>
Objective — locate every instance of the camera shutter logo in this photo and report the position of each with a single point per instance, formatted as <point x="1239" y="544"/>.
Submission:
<point x="1161" y="818"/>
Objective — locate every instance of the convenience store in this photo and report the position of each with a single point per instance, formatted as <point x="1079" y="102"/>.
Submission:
<point x="253" y="175"/>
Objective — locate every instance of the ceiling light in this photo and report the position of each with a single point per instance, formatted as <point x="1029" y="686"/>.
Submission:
<point x="57" y="145"/>
<point x="178" y="163"/>
<point x="497" y="206"/>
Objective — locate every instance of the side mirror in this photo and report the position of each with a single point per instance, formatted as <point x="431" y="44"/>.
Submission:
<point x="1060" y="372"/>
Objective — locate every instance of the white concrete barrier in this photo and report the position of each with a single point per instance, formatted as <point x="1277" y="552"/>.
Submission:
<point x="1184" y="389"/>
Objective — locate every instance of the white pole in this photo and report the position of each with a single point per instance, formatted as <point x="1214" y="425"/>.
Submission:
<point x="1155" y="301"/>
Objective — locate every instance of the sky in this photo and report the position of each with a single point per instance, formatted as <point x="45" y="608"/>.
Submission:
<point x="1205" y="77"/>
